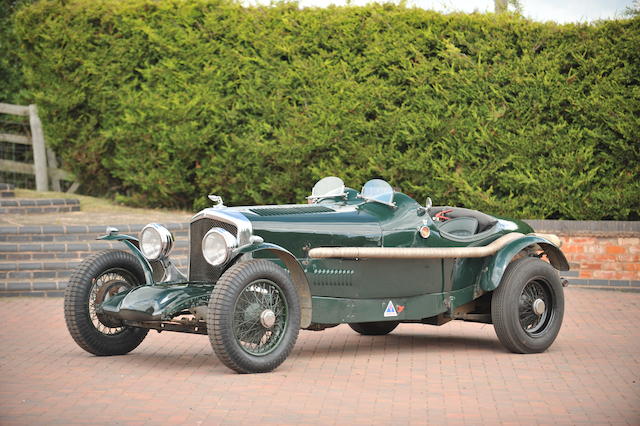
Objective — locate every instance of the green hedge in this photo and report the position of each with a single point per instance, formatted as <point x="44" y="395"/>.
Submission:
<point x="165" y="102"/>
<point x="11" y="82"/>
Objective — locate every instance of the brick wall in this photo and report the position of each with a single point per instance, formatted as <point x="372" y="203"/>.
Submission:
<point x="604" y="258"/>
<point x="599" y="253"/>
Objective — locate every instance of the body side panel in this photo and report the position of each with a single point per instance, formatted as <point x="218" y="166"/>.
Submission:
<point x="331" y="310"/>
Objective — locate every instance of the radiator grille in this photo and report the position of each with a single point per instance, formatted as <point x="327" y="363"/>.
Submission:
<point x="199" y="269"/>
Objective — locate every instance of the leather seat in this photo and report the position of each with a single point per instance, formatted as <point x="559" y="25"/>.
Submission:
<point x="459" y="226"/>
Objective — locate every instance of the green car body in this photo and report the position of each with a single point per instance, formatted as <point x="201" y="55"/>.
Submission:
<point x="406" y="267"/>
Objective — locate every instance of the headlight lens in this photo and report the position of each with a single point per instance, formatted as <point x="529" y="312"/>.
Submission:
<point x="156" y="241"/>
<point x="217" y="245"/>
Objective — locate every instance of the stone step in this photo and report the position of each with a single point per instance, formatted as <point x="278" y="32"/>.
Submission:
<point x="6" y="190"/>
<point x="64" y="265"/>
<point x="35" y="275"/>
<point x="46" y="278"/>
<point x="49" y="275"/>
<point x="74" y="237"/>
<point x="38" y="205"/>
<point x="39" y="259"/>
<point x="34" y="287"/>
<point x="42" y="233"/>
<point x="71" y="255"/>
<point x="48" y="265"/>
<point x="73" y="247"/>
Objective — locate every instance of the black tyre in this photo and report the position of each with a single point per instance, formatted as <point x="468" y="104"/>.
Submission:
<point x="528" y="306"/>
<point x="97" y="279"/>
<point x="379" y="328"/>
<point x="253" y="316"/>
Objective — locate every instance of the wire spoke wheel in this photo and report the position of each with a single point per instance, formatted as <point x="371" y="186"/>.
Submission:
<point x="105" y="286"/>
<point x="528" y="306"/>
<point x="260" y="317"/>
<point x="253" y="316"/>
<point x="534" y="302"/>
<point x="99" y="278"/>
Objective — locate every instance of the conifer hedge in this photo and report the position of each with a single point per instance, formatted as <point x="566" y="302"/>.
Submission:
<point x="164" y="102"/>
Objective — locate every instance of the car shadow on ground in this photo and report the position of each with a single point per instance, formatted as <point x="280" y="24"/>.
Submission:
<point x="203" y="360"/>
<point x="378" y="345"/>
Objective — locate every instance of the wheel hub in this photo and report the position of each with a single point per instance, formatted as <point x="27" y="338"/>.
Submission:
<point x="252" y="312"/>
<point x="110" y="288"/>
<point x="267" y="318"/>
<point x="538" y="307"/>
<point x="105" y="286"/>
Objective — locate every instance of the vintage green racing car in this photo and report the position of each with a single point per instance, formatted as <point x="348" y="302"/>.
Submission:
<point x="372" y="259"/>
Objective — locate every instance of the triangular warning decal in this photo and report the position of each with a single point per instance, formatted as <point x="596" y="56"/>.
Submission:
<point x="391" y="310"/>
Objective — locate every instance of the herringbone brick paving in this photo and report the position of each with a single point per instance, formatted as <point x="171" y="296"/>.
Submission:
<point x="454" y="374"/>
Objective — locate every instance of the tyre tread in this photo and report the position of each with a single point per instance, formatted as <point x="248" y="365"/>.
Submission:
<point x="509" y="333"/>
<point x="221" y="305"/>
<point x="76" y="306"/>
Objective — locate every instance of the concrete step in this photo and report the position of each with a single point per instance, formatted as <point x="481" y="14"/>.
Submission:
<point x="35" y="275"/>
<point x="38" y="205"/>
<point x="64" y="264"/>
<point x="73" y="237"/>
<point x="6" y="190"/>
<point x="48" y="265"/>
<point x="79" y="247"/>
<point x="63" y="233"/>
<point x="72" y="255"/>
<point x="35" y="287"/>
<point x="38" y="260"/>
<point x="46" y="278"/>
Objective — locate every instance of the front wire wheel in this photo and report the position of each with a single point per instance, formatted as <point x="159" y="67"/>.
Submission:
<point x="105" y="286"/>
<point x="260" y="317"/>
<point x="528" y="306"/>
<point x="253" y="316"/>
<point x="96" y="280"/>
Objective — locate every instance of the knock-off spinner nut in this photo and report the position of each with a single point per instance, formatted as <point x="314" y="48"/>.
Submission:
<point x="267" y="318"/>
<point x="539" y="307"/>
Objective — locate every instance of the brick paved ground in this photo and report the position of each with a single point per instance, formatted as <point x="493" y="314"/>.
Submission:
<point x="456" y="374"/>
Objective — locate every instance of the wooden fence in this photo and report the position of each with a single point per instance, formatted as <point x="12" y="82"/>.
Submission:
<point x="45" y="165"/>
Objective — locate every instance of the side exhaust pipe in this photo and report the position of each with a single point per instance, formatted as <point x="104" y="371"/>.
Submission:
<point x="417" y="253"/>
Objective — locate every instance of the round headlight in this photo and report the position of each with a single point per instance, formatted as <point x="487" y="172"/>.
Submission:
<point x="217" y="245"/>
<point x="156" y="241"/>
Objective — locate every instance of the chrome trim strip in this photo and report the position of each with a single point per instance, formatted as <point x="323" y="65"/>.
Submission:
<point x="236" y="218"/>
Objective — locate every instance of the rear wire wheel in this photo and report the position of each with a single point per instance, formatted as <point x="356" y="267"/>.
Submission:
<point x="528" y="306"/>
<point x="253" y="316"/>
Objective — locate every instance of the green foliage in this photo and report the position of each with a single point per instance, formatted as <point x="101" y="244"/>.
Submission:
<point x="165" y="102"/>
<point x="633" y="9"/>
<point x="11" y="84"/>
